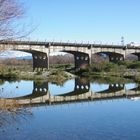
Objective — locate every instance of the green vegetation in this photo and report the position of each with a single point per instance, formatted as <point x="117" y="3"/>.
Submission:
<point x="129" y="69"/>
<point x="109" y="79"/>
<point x="58" y="76"/>
<point x="130" y="64"/>
<point x="55" y="74"/>
<point x="61" y="66"/>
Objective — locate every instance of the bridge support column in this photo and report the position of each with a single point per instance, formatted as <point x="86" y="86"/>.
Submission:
<point x="82" y="60"/>
<point x="90" y="55"/>
<point x="48" y="59"/>
<point x="81" y="85"/>
<point x="138" y="55"/>
<point x="116" y="58"/>
<point x="40" y="61"/>
<point x="41" y="89"/>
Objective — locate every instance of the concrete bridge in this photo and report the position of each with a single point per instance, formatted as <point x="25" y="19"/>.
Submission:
<point x="82" y="92"/>
<point x="82" y="52"/>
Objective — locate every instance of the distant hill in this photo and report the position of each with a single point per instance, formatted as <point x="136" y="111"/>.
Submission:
<point x="15" y="54"/>
<point x="24" y="57"/>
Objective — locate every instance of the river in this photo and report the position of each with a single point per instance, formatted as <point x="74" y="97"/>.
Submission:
<point x="78" y="109"/>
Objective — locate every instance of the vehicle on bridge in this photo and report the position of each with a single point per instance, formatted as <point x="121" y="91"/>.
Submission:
<point x="133" y="44"/>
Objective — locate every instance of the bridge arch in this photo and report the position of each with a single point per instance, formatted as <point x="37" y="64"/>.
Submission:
<point x="113" y="88"/>
<point x="61" y="60"/>
<point x="81" y="59"/>
<point x="137" y="54"/>
<point x="113" y="56"/>
<point x="38" y="90"/>
<point x="40" y="59"/>
<point x="81" y="86"/>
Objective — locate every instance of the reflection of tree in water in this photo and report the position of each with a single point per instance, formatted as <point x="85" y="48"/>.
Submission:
<point x="10" y="116"/>
<point x="2" y="82"/>
<point x="109" y="80"/>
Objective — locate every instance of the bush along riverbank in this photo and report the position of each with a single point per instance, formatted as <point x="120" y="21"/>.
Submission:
<point x="108" y="69"/>
<point x="104" y="69"/>
<point x="54" y="75"/>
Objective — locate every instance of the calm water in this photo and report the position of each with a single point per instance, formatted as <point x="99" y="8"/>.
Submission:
<point x="115" y="118"/>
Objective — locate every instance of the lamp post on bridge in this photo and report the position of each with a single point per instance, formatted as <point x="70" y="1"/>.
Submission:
<point x="122" y="41"/>
<point x="124" y="47"/>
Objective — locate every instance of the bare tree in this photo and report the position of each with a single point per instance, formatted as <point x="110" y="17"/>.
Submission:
<point x="10" y="13"/>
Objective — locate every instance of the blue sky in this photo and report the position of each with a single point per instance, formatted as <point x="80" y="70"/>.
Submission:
<point x="84" y="20"/>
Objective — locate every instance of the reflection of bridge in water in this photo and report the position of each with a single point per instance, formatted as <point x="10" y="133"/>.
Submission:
<point x="81" y="92"/>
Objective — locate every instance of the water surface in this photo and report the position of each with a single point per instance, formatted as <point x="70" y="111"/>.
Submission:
<point x="104" y="119"/>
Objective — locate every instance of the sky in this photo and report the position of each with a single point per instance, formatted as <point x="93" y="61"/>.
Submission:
<point x="84" y="21"/>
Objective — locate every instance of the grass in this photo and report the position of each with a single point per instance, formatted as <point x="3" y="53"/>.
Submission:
<point x="58" y="75"/>
<point x="111" y="69"/>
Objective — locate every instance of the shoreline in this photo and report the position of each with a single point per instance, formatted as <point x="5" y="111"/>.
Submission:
<point x="56" y="76"/>
<point x="60" y="76"/>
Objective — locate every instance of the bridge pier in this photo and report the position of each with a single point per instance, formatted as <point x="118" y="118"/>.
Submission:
<point x="40" y="61"/>
<point x="138" y="55"/>
<point x="139" y="58"/>
<point x="81" y="85"/>
<point x="41" y="88"/>
<point x="82" y="60"/>
<point x="116" y="58"/>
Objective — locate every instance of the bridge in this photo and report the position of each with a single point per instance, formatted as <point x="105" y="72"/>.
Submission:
<point x="82" y="52"/>
<point x="81" y="93"/>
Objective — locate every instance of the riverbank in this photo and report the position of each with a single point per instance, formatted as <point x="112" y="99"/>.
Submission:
<point x="128" y="74"/>
<point x="57" y="73"/>
<point x="124" y="69"/>
<point x="60" y="76"/>
<point x="55" y="76"/>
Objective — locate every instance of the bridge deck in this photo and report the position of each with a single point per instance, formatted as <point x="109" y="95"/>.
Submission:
<point x="60" y="44"/>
